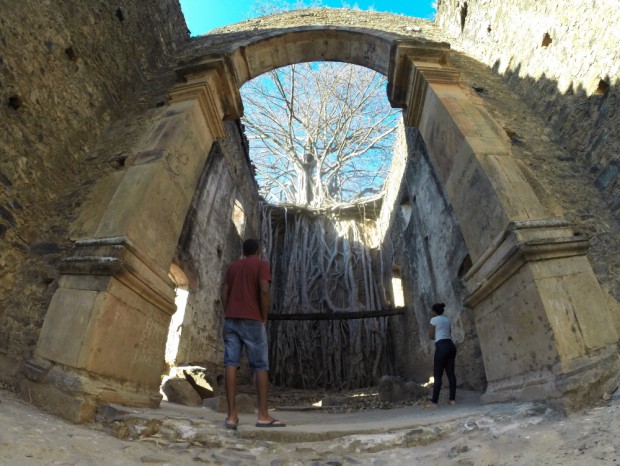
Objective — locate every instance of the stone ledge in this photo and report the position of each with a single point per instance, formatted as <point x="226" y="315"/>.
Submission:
<point x="518" y="244"/>
<point x="119" y="258"/>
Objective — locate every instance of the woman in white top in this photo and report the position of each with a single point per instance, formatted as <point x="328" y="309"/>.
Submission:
<point x="445" y="352"/>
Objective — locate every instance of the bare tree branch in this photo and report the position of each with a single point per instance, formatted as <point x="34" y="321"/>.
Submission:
<point x="333" y="123"/>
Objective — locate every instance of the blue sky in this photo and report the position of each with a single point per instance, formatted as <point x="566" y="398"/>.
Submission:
<point x="203" y="15"/>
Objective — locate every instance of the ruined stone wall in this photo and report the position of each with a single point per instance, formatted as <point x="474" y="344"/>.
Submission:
<point x="72" y="76"/>
<point x="68" y="72"/>
<point x="224" y="39"/>
<point x="564" y="184"/>
<point x="563" y="59"/>
<point x="566" y="126"/>
<point x="424" y="246"/>
<point x="210" y="241"/>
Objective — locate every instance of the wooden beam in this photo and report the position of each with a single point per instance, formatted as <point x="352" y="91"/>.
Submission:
<point x="340" y="315"/>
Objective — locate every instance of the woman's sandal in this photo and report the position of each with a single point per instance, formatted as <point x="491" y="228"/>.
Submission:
<point x="231" y="425"/>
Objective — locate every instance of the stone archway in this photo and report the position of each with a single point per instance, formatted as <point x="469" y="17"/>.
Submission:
<point x="531" y="285"/>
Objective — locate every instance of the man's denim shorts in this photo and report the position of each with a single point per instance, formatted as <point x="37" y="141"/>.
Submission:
<point x="249" y="333"/>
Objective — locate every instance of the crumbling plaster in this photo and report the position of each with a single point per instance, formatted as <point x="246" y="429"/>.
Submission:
<point x="69" y="73"/>
<point x="562" y="60"/>
<point x="150" y="144"/>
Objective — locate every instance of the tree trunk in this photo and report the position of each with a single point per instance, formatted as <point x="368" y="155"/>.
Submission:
<point x="321" y="269"/>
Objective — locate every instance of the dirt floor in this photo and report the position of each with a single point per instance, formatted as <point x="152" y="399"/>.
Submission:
<point x="360" y="432"/>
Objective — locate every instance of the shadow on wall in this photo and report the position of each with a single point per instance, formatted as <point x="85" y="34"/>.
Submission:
<point x="586" y="123"/>
<point x="425" y="244"/>
<point x="569" y="142"/>
<point x="583" y="119"/>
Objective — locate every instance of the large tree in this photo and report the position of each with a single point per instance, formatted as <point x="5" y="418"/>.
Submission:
<point x="320" y="133"/>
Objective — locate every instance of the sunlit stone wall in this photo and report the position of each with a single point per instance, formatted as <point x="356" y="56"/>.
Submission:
<point x="68" y="72"/>
<point x="562" y="59"/>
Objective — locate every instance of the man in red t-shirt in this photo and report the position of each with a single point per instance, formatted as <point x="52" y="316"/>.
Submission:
<point x="245" y="297"/>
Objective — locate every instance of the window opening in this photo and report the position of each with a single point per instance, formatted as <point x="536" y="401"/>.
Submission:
<point x="238" y="218"/>
<point x="405" y="210"/>
<point x="397" y="290"/>
<point x="175" y="329"/>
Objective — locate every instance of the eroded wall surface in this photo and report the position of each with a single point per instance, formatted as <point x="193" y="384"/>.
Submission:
<point x="424" y="246"/>
<point x="68" y="72"/>
<point x="563" y="59"/>
<point x="210" y="241"/>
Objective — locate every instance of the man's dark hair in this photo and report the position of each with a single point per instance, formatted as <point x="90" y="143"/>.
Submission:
<point x="250" y="247"/>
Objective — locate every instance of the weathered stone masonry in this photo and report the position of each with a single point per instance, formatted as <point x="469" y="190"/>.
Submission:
<point x="111" y="197"/>
<point x="209" y="242"/>
<point x="563" y="59"/>
<point x="68" y="71"/>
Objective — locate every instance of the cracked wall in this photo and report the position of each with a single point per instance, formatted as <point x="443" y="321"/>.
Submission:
<point x="68" y="72"/>
<point x="76" y="100"/>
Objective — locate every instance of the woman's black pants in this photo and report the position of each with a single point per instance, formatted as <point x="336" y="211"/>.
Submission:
<point x="445" y="354"/>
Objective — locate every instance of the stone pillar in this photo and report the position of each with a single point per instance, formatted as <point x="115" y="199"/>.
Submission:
<point x="104" y="335"/>
<point x="544" y="328"/>
<point x="541" y="317"/>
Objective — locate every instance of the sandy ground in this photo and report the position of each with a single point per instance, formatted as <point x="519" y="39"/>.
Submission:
<point x="469" y="434"/>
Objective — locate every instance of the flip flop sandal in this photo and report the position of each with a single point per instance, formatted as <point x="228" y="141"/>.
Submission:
<point x="272" y="423"/>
